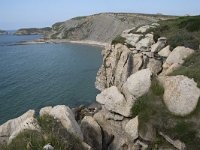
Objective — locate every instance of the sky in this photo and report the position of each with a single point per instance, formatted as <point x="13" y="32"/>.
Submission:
<point x="15" y="14"/>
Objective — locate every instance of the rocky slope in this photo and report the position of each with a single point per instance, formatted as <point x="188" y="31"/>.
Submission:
<point x="148" y="100"/>
<point x="33" y="31"/>
<point x="101" y="27"/>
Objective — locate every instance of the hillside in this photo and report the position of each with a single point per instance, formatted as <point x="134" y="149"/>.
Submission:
<point x="3" y="32"/>
<point x="32" y="31"/>
<point x="101" y="27"/>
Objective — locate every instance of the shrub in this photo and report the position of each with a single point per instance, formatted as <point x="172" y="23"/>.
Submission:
<point x="118" y="39"/>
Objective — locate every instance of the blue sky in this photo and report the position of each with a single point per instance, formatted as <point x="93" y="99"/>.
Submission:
<point x="40" y="13"/>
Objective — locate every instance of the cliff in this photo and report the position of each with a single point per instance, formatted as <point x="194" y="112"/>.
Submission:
<point x="149" y="99"/>
<point x="33" y="31"/>
<point x="101" y="27"/>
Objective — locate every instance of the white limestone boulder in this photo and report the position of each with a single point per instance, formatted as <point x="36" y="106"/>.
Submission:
<point x="131" y="128"/>
<point x="139" y="83"/>
<point x="161" y="43"/>
<point x="181" y="94"/>
<point x="177" y="56"/>
<point x="165" y="51"/>
<point x="114" y="101"/>
<point x="145" y="43"/>
<point x="10" y="129"/>
<point x="65" y="116"/>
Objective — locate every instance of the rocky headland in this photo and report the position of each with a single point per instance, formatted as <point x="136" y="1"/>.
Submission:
<point x="33" y="31"/>
<point x="149" y="99"/>
<point x="2" y="32"/>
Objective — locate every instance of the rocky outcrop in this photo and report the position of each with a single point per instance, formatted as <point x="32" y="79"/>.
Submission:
<point x="65" y="116"/>
<point x="165" y="51"/>
<point x="10" y="129"/>
<point x="176" y="57"/>
<point x="91" y="132"/>
<point x="2" y="32"/>
<point x="131" y="128"/>
<point x="102" y="27"/>
<point x="181" y="94"/>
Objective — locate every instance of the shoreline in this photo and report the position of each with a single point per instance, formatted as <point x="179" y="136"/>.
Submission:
<point x="58" y="41"/>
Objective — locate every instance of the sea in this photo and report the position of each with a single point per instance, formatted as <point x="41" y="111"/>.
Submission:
<point x="39" y="75"/>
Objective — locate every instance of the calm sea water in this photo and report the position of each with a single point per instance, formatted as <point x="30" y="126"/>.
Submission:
<point x="34" y="76"/>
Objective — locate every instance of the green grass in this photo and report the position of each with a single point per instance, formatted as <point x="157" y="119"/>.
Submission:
<point x="183" y="31"/>
<point x="118" y="39"/>
<point x="152" y="111"/>
<point x="52" y="132"/>
<point x="191" y="68"/>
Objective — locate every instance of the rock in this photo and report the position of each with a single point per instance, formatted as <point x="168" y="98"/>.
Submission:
<point x="145" y="43"/>
<point x="171" y="69"/>
<point x="177" y="56"/>
<point x="144" y="29"/>
<point x="114" y="101"/>
<point x="131" y="128"/>
<point x="133" y="38"/>
<point x="45" y="110"/>
<point x="165" y="51"/>
<point x="114" y="136"/>
<point x="149" y="54"/>
<point x="48" y="147"/>
<point x="139" y="83"/>
<point x="118" y="65"/>
<point x="176" y="143"/>
<point x="159" y="45"/>
<point x="181" y="94"/>
<point x="91" y="132"/>
<point x="66" y="117"/>
<point x="10" y="129"/>
<point x="155" y="66"/>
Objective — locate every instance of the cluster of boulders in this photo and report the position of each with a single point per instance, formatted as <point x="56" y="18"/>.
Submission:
<point x="125" y="75"/>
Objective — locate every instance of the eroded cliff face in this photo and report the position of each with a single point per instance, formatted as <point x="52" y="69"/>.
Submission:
<point x="100" y="27"/>
<point x="119" y="61"/>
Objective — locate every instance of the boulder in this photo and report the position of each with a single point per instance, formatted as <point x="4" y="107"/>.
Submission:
<point x="145" y="43"/>
<point x="48" y="147"/>
<point x="139" y="83"/>
<point x="10" y="129"/>
<point x="177" y="56"/>
<point x="144" y="29"/>
<point x="165" y="51"/>
<point x="181" y="94"/>
<point x="114" y="101"/>
<point x="159" y="45"/>
<point x="91" y="132"/>
<point x="171" y="69"/>
<point x="133" y="38"/>
<point x="155" y="66"/>
<point x="65" y="116"/>
<point x="131" y="128"/>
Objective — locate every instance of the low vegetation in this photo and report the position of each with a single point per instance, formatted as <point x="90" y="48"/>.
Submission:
<point x="121" y="40"/>
<point x="51" y="132"/>
<point x="152" y="112"/>
<point x="191" y="68"/>
<point x="183" y="31"/>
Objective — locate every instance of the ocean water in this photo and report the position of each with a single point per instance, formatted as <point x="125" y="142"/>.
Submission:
<point x="38" y="75"/>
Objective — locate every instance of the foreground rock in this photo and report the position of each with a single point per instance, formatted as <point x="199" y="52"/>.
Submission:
<point x="177" y="56"/>
<point x="65" y="116"/>
<point x="114" y="101"/>
<point x="91" y="132"/>
<point x="10" y="129"/>
<point x="181" y="94"/>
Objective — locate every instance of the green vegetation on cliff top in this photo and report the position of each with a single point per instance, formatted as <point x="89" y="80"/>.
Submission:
<point x="52" y="132"/>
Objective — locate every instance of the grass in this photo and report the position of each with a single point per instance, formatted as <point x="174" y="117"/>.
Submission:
<point x="51" y="132"/>
<point x="119" y="39"/>
<point x="152" y="111"/>
<point x="191" y="68"/>
<point x="183" y="31"/>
